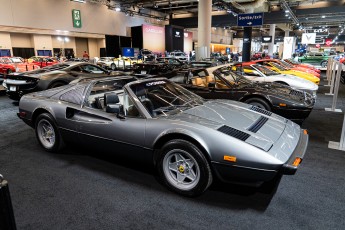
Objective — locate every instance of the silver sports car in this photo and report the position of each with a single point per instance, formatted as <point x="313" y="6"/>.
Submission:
<point x="190" y="140"/>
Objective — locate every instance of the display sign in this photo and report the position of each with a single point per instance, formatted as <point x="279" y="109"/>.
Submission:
<point x="127" y="52"/>
<point x="289" y="46"/>
<point x="154" y="38"/>
<point x="76" y="17"/>
<point x="255" y="19"/>
<point x="308" y="38"/>
<point x="266" y="39"/>
<point x="319" y="40"/>
<point x="188" y="42"/>
<point x="328" y="41"/>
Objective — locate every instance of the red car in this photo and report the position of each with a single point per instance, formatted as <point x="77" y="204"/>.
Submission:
<point x="44" y="61"/>
<point x="15" y="64"/>
<point x="309" y="66"/>
<point x="291" y="67"/>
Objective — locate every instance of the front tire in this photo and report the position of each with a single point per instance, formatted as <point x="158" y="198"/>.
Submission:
<point x="113" y="66"/>
<point x="47" y="133"/>
<point x="183" y="168"/>
<point x="259" y="103"/>
<point x="323" y="64"/>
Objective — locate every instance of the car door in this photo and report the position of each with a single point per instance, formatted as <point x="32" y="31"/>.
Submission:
<point x="106" y="130"/>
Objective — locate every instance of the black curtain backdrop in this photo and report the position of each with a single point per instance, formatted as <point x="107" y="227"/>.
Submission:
<point x="125" y="42"/>
<point x="23" y="52"/>
<point x="103" y="52"/>
<point x="137" y="37"/>
<point x="114" y="44"/>
<point x="174" y="38"/>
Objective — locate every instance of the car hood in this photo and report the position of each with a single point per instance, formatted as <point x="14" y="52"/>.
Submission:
<point x="215" y="114"/>
<point x="302" y="83"/>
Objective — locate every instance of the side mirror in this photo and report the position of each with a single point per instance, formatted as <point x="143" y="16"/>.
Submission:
<point x="212" y="85"/>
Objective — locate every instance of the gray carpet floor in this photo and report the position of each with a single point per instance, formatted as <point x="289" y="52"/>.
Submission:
<point x="85" y="189"/>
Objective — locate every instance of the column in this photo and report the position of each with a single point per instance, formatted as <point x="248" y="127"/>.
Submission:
<point x="271" y="45"/>
<point x="204" y="29"/>
<point x="247" y="40"/>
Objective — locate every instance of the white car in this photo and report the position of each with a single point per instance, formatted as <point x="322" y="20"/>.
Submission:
<point x="260" y="73"/>
<point x="107" y="63"/>
<point x="180" y="56"/>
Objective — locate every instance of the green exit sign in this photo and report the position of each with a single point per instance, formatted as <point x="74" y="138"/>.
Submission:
<point x="76" y="16"/>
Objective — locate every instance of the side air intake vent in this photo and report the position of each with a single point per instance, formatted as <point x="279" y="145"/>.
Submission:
<point x="259" y="110"/>
<point x="234" y="132"/>
<point x="258" y="124"/>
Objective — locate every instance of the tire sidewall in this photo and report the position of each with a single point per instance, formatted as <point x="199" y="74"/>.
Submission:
<point x="261" y="101"/>
<point x="113" y="66"/>
<point x="58" y="140"/>
<point x="205" y="171"/>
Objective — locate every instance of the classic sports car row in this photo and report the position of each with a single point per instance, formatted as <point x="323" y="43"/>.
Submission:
<point x="190" y="140"/>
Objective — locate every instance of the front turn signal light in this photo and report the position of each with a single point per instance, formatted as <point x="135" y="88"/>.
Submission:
<point x="297" y="161"/>
<point x="282" y="105"/>
<point x="305" y="132"/>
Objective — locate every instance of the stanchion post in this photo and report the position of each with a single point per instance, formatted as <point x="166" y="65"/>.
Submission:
<point x="335" y="86"/>
<point x="328" y="71"/>
<point x="334" y="70"/>
<point x="339" y="145"/>
<point x="7" y="220"/>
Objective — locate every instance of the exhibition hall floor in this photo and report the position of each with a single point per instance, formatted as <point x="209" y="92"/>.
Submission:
<point x="80" y="189"/>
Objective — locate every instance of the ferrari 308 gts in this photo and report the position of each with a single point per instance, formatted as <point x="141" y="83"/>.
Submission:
<point x="190" y="140"/>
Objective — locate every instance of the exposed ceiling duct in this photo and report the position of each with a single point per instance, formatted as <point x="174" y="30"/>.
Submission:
<point x="250" y="6"/>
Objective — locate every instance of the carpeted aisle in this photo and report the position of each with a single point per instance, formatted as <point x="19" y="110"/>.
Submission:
<point x="93" y="190"/>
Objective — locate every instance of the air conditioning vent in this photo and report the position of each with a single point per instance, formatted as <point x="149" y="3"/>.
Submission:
<point x="258" y="124"/>
<point x="259" y="110"/>
<point x="234" y="132"/>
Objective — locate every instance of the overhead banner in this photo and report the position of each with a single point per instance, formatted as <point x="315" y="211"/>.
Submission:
<point x="308" y="38"/>
<point x="289" y="47"/>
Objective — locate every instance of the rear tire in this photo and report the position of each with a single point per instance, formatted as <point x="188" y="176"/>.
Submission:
<point x="183" y="168"/>
<point x="47" y="133"/>
<point x="259" y="103"/>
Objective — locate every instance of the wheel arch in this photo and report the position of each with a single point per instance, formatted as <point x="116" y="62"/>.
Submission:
<point x="57" y="81"/>
<point x="160" y="141"/>
<point x="250" y="96"/>
<point x="38" y="112"/>
<point x="282" y="82"/>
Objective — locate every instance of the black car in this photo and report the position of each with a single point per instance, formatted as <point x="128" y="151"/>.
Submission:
<point x="154" y="68"/>
<point x="17" y="85"/>
<point x="225" y="84"/>
<point x="172" y="62"/>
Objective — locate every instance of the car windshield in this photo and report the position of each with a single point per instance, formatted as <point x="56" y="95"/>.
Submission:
<point x="265" y="70"/>
<point x="5" y="60"/>
<point x="280" y="67"/>
<point x="16" y="60"/>
<point x="163" y="98"/>
<point x="230" y="76"/>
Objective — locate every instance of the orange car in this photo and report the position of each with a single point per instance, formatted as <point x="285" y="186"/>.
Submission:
<point x="18" y="64"/>
<point x="290" y="67"/>
<point x="304" y="65"/>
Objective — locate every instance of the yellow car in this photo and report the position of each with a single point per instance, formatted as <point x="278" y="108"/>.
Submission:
<point x="282" y="70"/>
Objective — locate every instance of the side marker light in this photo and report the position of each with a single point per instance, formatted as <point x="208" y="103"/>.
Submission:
<point x="305" y="132"/>
<point x="230" y="158"/>
<point x="282" y="104"/>
<point x="297" y="161"/>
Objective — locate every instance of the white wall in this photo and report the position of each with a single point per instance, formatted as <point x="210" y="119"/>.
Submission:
<point x="42" y="42"/>
<point x="5" y="41"/>
<point x="22" y="40"/>
<point x="57" y="15"/>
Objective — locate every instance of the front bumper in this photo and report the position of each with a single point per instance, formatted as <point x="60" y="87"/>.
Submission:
<point x="293" y="114"/>
<point x="289" y="168"/>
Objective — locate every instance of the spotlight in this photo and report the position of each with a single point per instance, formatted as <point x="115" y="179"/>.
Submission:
<point x="117" y="9"/>
<point x="155" y="5"/>
<point x="287" y="11"/>
<point x="323" y="16"/>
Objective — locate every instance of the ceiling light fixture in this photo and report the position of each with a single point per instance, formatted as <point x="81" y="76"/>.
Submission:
<point x="117" y="9"/>
<point x="323" y="16"/>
